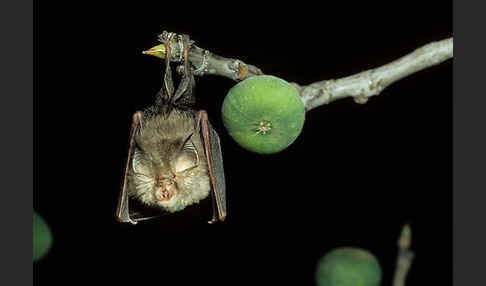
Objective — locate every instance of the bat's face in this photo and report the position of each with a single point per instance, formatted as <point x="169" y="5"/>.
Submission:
<point x="169" y="168"/>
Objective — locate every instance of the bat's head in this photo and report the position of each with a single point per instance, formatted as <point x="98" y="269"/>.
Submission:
<point x="169" y="168"/>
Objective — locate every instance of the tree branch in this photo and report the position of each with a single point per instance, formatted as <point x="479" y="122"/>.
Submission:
<point x="360" y="86"/>
<point x="405" y="257"/>
<point x="206" y="63"/>
<point x="368" y="83"/>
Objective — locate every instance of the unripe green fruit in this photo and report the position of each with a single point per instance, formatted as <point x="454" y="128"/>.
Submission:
<point x="42" y="237"/>
<point x="263" y="114"/>
<point x="348" y="266"/>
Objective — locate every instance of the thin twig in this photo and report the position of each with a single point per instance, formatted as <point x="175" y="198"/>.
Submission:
<point x="360" y="86"/>
<point x="405" y="257"/>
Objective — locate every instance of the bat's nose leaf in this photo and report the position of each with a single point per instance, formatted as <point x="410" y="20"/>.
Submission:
<point x="164" y="194"/>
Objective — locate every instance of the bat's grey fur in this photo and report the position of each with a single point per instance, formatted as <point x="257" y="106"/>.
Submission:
<point x="159" y="141"/>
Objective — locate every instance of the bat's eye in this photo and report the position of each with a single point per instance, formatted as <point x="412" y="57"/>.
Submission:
<point x="187" y="158"/>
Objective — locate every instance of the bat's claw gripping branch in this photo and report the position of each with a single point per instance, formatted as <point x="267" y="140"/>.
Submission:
<point x="167" y="38"/>
<point x="176" y="43"/>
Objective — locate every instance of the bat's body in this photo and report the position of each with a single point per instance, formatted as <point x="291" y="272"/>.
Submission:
<point x="162" y="173"/>
<point x="174" y="158"/>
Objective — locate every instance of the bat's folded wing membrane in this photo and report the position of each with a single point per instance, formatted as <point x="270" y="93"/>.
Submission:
<point x="122" y="211"/>
<point x="215" y="164"/>
<point x="220" y="185"/>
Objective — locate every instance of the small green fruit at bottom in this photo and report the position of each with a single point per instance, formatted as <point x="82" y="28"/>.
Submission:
<point x="42" y="237"/>
<point x="348" y="266"/>
<point x="263" y="114"/>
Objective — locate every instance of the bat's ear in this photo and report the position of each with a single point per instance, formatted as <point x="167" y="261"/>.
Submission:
<point x="188" y="157"/>
<point x="214" y="157"/>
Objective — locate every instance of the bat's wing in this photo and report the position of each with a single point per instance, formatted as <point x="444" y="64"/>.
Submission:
<point x="124" y="213"/>
<point x="215" y="163"/>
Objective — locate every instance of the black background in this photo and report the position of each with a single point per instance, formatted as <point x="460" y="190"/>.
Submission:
<point x="354" y="176"/>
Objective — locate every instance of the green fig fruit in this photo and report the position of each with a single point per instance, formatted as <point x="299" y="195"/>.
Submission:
<point x="263" y="114"/>
<point x="42" y="237"/>
<point x="348" y="266"/>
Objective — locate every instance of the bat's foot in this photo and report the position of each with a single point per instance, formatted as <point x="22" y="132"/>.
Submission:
<point x="185" y="44"/>
<point x="166" y="37"/>
<point x="183" y="41"/>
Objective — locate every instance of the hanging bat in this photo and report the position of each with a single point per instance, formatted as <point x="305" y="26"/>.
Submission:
<point x="174" y="156"/>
